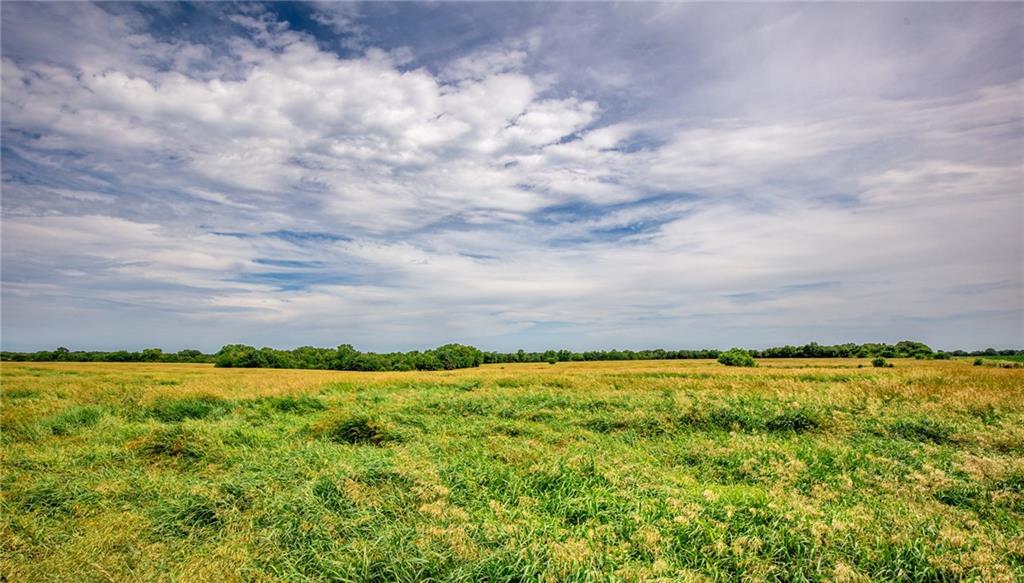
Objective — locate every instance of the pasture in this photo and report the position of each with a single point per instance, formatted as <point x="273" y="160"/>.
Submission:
<point x="797" y="470"/>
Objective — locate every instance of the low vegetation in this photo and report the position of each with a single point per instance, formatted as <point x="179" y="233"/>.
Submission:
<point x="796" y="470"/>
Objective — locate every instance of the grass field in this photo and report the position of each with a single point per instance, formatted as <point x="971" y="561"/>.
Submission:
<point x="639" y="471"/>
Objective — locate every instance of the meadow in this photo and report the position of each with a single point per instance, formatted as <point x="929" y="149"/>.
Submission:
<point x="684" y="470"/>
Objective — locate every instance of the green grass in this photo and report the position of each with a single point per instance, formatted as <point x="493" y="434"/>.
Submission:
<point x="636" y="471"/>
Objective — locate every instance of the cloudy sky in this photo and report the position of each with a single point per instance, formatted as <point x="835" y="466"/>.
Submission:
<point x="510" y="175"/>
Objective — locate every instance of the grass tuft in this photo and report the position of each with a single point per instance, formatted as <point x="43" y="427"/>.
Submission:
<point x="922" y="429"/>
<point x="73" y="419"/>
<point x="51" y="497"/>
<point x="198" y="407"/>
<point x="186" y="515"/>
<point x="356" y="430"/>
<point x="295" y="405"/>
<point x="177" y="442"/>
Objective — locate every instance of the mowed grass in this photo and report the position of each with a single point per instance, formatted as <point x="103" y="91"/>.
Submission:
<point x="799" y="470"/>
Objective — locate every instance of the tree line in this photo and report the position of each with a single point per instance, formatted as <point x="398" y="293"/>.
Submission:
<point x="344" y="357"/>
<point x="452" y="356"/>
<point x="902" y="349"/>
<point x="63" y="354"/>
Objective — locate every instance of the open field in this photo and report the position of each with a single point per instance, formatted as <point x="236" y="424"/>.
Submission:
<point x="640" y="471"/>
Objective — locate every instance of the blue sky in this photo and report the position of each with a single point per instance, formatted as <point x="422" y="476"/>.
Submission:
<point x="400" y="175"/>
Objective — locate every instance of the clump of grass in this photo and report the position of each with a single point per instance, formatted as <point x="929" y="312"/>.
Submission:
<point x="72" y="419"/>
<point x="52" y="497"/>
<point x="19" y="393"/>
<point x="21" y="430"/>
<point x="749" y="415"/>
<point x="177" y="442"/>
<point x="922" y="429"/>
<point x="356" y="430"/>
<point x="327" y="492"/>
<point x="643" y="425"/>
<point x="297" y="405"/>
<point x="961" y="495"/>
<point x="469" y="385"/>
<point x="525" y="381"/>
<point x="987" y="413"/>
<point x="197" y="407"/>
<point x="793" y="420"/>
<point x="186" y="515"/>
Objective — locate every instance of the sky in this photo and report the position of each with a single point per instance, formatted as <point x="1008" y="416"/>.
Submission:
<point x="511" y="175"/>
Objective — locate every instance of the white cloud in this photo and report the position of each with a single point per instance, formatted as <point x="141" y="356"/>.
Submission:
<point x="474" y="203"/>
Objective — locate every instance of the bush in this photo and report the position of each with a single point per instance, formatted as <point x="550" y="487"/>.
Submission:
<point x="880" y="362"/>
<point x="736" y="357"/>
<point x="978" y="362"/>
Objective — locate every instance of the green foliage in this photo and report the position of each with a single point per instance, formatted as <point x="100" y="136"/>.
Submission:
<point x="62" y="354"/>
<point x="345" y="357"/>
<point x="736" y="357"/>
<point x="453" y="356"/>
<point x="879" y="362"/>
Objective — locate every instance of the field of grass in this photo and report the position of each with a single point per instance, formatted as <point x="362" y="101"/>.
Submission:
<point x="798" y="470"/>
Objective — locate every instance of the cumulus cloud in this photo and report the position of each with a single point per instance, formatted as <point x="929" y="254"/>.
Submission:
<point x="287" y="187"/>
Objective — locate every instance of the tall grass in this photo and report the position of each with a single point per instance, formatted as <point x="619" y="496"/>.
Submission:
<point x="625" y="471"/>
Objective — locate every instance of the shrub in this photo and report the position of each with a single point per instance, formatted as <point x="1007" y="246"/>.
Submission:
<point x="880" y="362"/>
<point x="978" y="362"/>
<point x="736" y="357"/>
